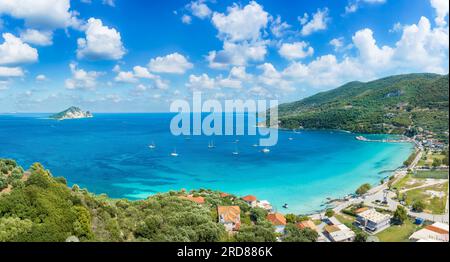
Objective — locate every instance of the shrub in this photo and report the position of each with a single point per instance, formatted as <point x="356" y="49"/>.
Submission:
<point x="363" y="189"/>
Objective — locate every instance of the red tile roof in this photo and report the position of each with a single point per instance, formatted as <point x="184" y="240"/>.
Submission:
<point x="249" y="198"/>
<point x="437" y="229"/>
<point x="306" y="224"/>
<point x="224" y="195"/>
<point x="229" y="213"/>
<point x="198" y="200"/>
<point x="277" y="219"/>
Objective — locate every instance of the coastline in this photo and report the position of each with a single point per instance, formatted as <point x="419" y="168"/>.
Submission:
<point x="300" y="202"/>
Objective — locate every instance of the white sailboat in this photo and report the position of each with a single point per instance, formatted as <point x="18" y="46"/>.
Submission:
<point x="211" y="144"/>
<point x="265" y="150"/>
<point x="152" y="145"/>
<point x="236" y="151"/>
<point x="174" y="153"/>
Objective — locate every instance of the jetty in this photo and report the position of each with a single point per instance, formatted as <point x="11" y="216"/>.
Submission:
<point x="402" y="140"/>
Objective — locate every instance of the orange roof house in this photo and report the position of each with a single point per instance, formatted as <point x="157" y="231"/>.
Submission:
<point x="249" y="198"/>
<point x="224" y="195"/>
<point x="230" y="217"/>
<point x="307" y="224"/>
<point x="198" y="200"/>
<point x="277" y="219"/>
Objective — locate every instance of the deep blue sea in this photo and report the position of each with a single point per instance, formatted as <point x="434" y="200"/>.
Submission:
<point x="110" y="154"/>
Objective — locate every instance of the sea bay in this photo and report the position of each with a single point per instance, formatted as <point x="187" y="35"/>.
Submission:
<point x="110" y="154"/>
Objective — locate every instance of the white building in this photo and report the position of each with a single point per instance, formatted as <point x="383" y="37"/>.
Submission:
<point x="373" y="221"/>
<point x="339" y="233"/>
<point x="438" y="232"/>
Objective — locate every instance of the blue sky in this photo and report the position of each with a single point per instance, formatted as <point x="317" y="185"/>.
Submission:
<point x="138" y="56"/>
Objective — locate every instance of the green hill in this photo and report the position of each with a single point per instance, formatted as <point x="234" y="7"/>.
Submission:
<point x="402" y="104"/>
<point x="37" y="207"/>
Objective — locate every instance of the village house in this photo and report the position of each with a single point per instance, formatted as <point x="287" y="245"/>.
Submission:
<point x="251" y="200"/>
<point x="339" y="233"/>
<point x="278" y="220"/>
<point x="264" y="204"/>
<point x="307" y="224"/>
<point x="437" y="232"/>
<point x="335" y="231"/>
<point x="230" y="217"/>
<point x="223" y="195"/>
<point x="198" y="200"/>
<point x="373" y="221"/>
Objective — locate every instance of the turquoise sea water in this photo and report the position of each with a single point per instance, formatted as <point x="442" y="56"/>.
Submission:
<point x="110" y="154"/>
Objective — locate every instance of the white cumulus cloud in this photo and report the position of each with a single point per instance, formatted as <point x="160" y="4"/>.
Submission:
<point x="81" y="78"/>
<point x="11" y="71"/>
<point x="297" y="50"/>
<point x="173" y="64"/>
<point x="317" y="23"/>
<point x="199" y="9"/>
<point x="36" y="37"/>
<point x="13" y="51"/>
<point x="40" y="13"/>
<point x="101" y="42"/>
<point x="241" y="23"/>
<point x="441" y="7"/>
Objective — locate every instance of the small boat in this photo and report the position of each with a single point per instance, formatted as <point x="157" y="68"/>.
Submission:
<point x="265" y="150"/>
<point x="174" y="153"/>
<point x="211" y="144"/>
<point x="290" y="138"/>
<point x="235" y="152"/>
<point x="255" y="145"/>
<point x="285" y="206"/>
<point x="152" y="145"/>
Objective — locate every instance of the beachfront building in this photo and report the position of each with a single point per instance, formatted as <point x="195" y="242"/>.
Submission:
<point x="339" y="233"/>
<point x="264" y="204"/>
<point x="251" y="200"/>
<point x="278" y="220"/>
<point x="437" y="232"/>
<point x="373" y="221"/>
<point x="230" y="217"/>
<point x="198" y="200"/>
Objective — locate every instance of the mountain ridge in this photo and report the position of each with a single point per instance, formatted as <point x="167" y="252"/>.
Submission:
<point x="401" y="104"/>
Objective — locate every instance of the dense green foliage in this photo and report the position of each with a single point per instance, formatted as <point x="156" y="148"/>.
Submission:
<point x="43" y="208"/>
<point x="402" y="104"/>
<point x="400" y="215"/>
<point x="418" y="206"/>
<point x="294" y="234"/>
<point x="363" y="189"/>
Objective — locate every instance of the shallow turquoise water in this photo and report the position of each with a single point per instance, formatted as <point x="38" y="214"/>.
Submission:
<point x="110" y="154"/>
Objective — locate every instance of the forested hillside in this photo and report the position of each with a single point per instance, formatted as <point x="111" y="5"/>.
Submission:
<point x="35" y="206"/>
<point x="403" y="104"/>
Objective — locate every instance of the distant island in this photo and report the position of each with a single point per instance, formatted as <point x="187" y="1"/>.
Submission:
<point x="72" y="113"/>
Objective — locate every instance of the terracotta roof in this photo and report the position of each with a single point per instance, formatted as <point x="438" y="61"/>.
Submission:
<point x="306" y="224"/>
<point x="360" y="210"/>
<point x="277" y="219"/>
<point x="437" y="229"/>
<point x="224" y="195"/>
<point x="198" y="200"/>
<point x="249" y="198"/>
<point x="229" y="213"/>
